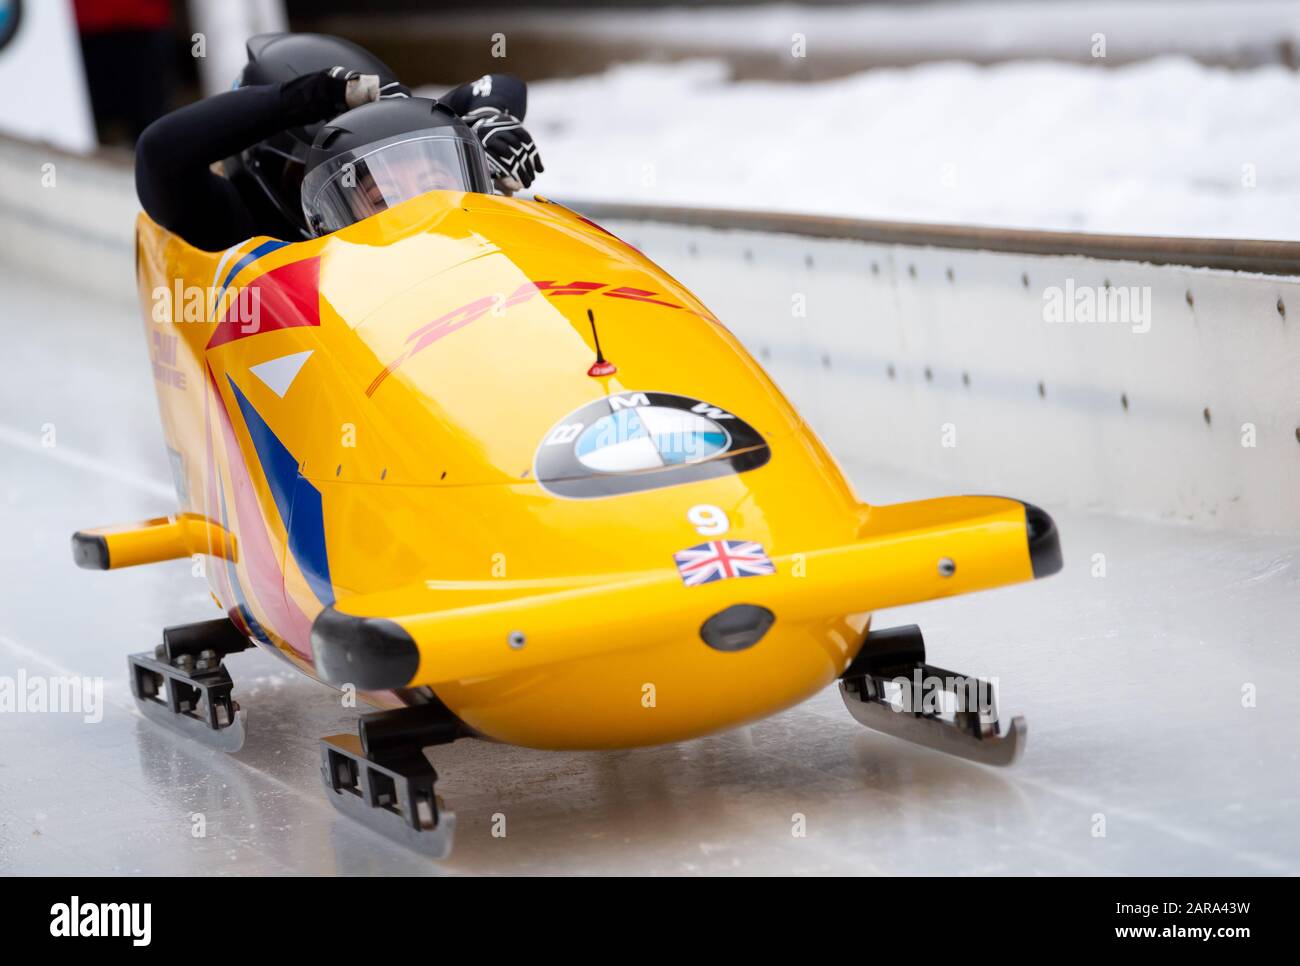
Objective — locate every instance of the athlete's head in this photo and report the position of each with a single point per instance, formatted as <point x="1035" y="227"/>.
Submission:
<point x="276" y="164"/>
<point x="386" y="152"/>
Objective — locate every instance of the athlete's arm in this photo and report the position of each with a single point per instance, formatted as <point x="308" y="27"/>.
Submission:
<point x="173" y="157"/>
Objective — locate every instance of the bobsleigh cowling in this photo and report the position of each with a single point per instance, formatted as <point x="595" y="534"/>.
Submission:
<point x="477" y="456"/>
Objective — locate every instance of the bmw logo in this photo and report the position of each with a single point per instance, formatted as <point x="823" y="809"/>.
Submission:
<point x="644" y="440"/>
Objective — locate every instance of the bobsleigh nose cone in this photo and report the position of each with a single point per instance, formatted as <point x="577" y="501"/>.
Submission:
<point x="1044" y="541"/>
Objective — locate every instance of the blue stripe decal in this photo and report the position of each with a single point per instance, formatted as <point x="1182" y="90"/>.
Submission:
<point x="263" y="249"/>
<point x="307" y="541"/>
<point x="297" y="500"/>
<point x="278" y="464"/>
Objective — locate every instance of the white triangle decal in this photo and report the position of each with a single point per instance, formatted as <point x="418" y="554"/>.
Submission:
<point x="279" y="374"/>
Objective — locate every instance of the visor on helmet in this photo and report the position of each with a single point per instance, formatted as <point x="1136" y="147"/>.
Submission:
<point x="356" y="184"/>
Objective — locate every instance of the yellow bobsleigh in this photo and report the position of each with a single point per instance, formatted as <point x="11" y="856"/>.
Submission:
<point x="488" y="464"/>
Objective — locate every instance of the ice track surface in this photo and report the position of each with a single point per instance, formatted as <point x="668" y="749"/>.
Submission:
<point x="1132" y="685"/>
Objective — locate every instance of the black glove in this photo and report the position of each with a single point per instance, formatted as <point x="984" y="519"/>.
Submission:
<point x="328" y="93"/>
<point x="393" y="89"/>
<point x="511" y="152"/>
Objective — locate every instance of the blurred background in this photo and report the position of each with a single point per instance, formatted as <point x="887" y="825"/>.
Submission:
<point x="1135" y="116"/>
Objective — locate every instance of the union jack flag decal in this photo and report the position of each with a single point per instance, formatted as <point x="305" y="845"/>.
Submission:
<point x="722" y="560"/>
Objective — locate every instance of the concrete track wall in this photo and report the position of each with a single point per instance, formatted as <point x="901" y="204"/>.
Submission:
<point x="919" y="347"/>
<point x="69" y="219"/>
<point x="939" y="360"/>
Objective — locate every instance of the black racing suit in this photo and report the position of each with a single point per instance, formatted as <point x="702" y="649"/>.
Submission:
<point x="173" y="157"/>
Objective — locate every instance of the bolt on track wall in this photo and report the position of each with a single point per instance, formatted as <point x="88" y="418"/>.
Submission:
<point x="905" y="347"/>
<point x="1220" y="341"/>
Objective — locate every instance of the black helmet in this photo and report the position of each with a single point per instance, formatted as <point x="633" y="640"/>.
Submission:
<point x="276" y="164"/>
<point x="383" y="153"/>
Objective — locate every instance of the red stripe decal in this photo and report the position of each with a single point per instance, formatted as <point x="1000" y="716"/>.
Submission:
<point x="283" y="298"/>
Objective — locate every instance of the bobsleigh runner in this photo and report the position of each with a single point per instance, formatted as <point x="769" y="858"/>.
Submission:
<point x="487" y="464"/>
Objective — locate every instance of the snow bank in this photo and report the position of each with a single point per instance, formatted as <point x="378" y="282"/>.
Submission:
<point x="1163" y="147"/>
<point x="1218" y="31"/>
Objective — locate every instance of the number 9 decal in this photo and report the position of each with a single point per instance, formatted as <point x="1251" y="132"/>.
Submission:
<point x="708" y="520"/>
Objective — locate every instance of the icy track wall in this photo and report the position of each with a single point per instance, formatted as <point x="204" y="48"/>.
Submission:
<point x="928" y="348"/>
<point x="924" y="348"/>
